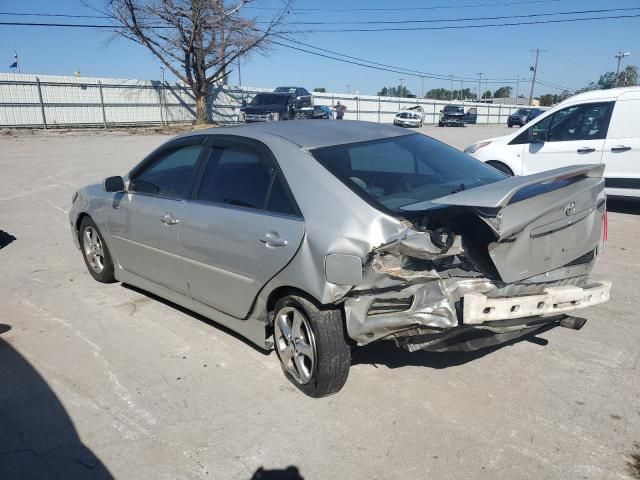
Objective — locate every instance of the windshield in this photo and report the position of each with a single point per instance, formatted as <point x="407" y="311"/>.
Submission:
<point x="523" y="111"/>
<point x="401" y="171"/>
<point x="269" y="99"/>
<point x="453" y="109"/>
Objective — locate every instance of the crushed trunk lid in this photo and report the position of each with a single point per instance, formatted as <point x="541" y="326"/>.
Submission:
<point x="541" y="222"/>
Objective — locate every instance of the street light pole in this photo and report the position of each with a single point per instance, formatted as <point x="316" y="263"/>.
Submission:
<point x="479" y="85"/>
<point x="162" y="99"/>
<point x="620" y="56"/>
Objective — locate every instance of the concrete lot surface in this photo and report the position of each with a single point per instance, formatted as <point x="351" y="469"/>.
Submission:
<point x="101" y="381"/>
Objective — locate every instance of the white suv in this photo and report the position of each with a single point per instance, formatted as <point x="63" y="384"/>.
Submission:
<point x="601" y="126"/>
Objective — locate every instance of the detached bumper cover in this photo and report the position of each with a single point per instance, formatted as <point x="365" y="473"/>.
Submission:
<point x="479" y="308"/>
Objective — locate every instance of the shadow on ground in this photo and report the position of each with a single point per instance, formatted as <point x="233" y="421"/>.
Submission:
<point x="386" y="353"/>
<point x="37" y="437"/>
<point x="624" y="205"/>
<point x="289" y="473"/>
<point x="6" y="238"/>
<point x="197" y="316"/>
<point x="634" y="461"/>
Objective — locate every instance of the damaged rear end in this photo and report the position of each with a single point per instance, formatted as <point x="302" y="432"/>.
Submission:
<point x="486" y="265"/>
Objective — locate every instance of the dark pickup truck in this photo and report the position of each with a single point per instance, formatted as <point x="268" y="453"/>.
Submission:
<point x="454" y="115"/>
<point x="284" y="103"/>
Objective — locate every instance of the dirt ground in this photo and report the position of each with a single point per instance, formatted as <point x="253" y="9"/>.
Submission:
<point x="101" y="381"/>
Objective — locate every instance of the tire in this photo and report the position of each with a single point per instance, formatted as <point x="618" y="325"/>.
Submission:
<point x="502" y="167"/>
<point x="324" y="369"/>
<point x="440" y="124"/>
<point x="96" y="255"/>
<point x="510" y="125"/>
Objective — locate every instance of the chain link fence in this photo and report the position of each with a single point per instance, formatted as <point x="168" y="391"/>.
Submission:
<point x="49" y="101"/>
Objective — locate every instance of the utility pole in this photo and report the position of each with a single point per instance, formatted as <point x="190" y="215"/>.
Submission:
<point x="535" y="72"/>
<point x="401" y="87"/>
<point x="451" y="90"/>
<point x="517" y="87"/>
<point x="348" y="88"/>
<point x="462" y="90"/>
<point x="422" y="86"/>
<point x="162" y="98"/>
<point x="479" y="86"/>
<point x="620" y="56"/>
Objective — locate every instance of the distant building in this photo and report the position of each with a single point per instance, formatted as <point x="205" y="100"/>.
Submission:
<point x="511" y="101"/>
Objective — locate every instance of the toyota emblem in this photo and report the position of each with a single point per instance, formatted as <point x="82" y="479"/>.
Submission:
<point x="570" y="208"/>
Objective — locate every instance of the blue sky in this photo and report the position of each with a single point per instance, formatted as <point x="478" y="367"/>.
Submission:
<point x="575" y="52"/>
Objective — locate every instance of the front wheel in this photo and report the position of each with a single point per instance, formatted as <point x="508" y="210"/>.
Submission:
<point x="502" y="167"/>
<point x="311" y="345"/>
<point x="95" y="252"/>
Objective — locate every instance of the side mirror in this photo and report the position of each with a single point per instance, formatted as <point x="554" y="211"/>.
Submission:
<point x="113" y="184"/>
<point x="244" y="103"/>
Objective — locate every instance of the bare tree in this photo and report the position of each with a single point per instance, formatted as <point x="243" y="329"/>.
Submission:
<point x="197" y="40"/>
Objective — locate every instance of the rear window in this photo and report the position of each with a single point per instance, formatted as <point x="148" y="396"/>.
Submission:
<point x="400" y="171"/>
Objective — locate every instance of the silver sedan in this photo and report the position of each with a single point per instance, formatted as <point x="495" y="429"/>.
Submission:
<point x="315" y="238"/>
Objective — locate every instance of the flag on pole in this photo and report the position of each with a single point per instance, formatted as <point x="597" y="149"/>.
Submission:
<point x="15" y="61"/>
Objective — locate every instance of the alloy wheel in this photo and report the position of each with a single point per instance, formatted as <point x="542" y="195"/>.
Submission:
<point x="295" y="344"/>
<point x="93" y="249"/>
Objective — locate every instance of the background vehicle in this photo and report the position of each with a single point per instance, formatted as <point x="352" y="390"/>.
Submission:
<point x="471" y="117"/>
<point x="323" y="111"/>
<point x="523" y="116"/>
<point x="594" y="127"/>
<point x="309" y="237"/>
<point x="410" y="117"/>
<point x="452" y="116"/>
<point x="285" y="103"/>
<point x="266" y="107"/>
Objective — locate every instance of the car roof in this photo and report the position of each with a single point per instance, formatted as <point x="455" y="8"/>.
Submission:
<point x="309" y="134"/>
<point x="609" y="94"/>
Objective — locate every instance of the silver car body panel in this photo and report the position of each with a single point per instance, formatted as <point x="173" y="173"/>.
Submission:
<point x="344" y="250"/>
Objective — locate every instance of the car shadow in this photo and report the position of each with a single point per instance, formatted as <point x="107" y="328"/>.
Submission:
<point x="6" y="238"/>
<point x="623" y="205"/>
<point x="197" y="316"/>
<point x="289" y="473"/>
<point x="388" y="354"/>
<point x="37" y="437"/>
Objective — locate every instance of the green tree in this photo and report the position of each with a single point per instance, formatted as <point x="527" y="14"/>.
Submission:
<point x="502" y="92"/>
<point x="626" y="78"/>
<point x="547" y="99"/>
<point x="439" y="94"/>
<point x="487" y="94"/>
<point x="320" y="90"/>
<point x="399" y="91"/>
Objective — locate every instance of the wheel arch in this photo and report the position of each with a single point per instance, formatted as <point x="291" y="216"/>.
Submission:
<point x="500" y="165"/>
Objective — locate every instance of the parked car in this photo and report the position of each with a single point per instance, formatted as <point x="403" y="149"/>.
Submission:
<point x="284" y="103"/>
<point x="267" y="107"/>
<point x="522" y="116"/>
<point x="452" y="116"/>
<point x="323" y="111"/>
<point x="313" y="237"/>
<point x="598" y="127"/>
<point x="410" y="117"/>
<point x="471" y="116"/>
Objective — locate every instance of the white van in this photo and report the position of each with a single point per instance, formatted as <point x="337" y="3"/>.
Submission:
<point x="602" y="126"/>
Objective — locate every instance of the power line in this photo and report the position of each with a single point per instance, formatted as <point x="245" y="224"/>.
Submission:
<point x="468" y="19"/>
<point x="456" y="27"/>
<point x="359" y="63"/>
<point x="387" y="9"/>
<point x="434" y="76"/>
<point x="343" y="30"/>
<point x="376" y="22"/>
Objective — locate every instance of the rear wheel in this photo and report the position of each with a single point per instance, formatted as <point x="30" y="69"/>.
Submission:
<point x="502" y="167"/>
<point x="96" y="255"/>
<point x="311" y="345"/>
<point x="510" y="125"/>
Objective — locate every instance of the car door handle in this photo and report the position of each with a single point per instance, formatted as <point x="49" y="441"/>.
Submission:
<point x="620" y="148"/>
<point x="272" y="239"/>
<point x="586" y="150"/>
<point x="168" y="219"/>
